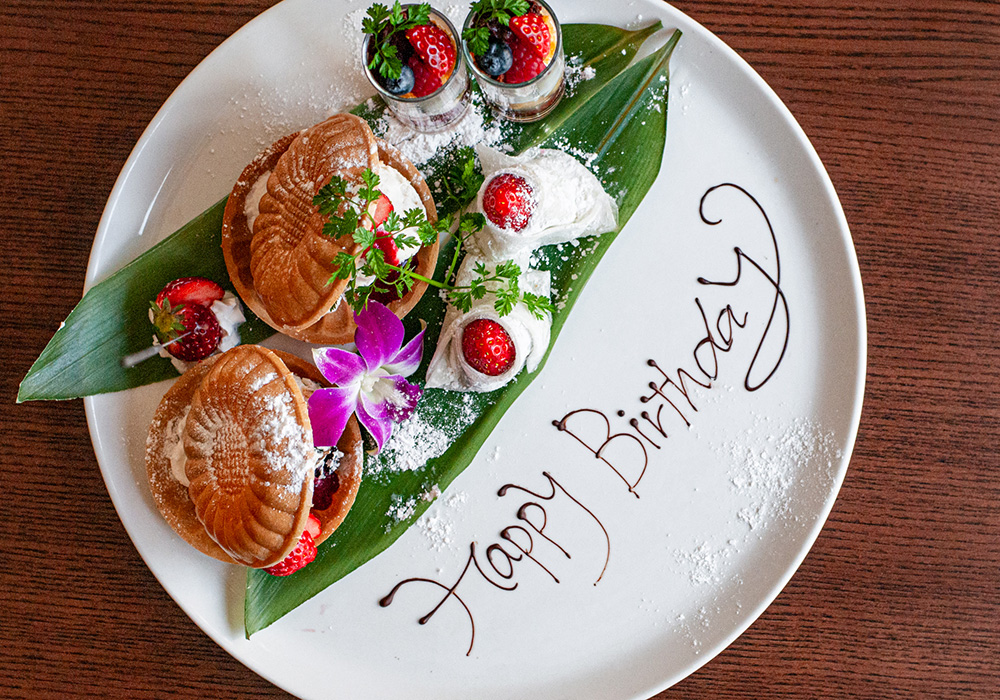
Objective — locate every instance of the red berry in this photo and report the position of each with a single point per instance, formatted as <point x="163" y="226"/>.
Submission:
<point x="190" y="290"/>
<point x="509" y="201"/>
<point x="426" y="81"/>
<point x="434" y="48"/>
<point x="304" y="552"/>
<point x="313" y="526"/>
<point x="387" y="244"/>
<point x="324" y="489"/>
<point x="533" y="30"/>
<point x="380" y="209"/>
<point x="527" y="63"/>
<point x="198" y="322"/>
<point x="487" y="347"/>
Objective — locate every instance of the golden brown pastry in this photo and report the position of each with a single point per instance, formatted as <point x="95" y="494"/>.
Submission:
<point x="280" y="262"/>
<point x="230" y="457"/>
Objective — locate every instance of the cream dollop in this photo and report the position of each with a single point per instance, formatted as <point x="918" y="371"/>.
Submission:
<point x="570" y="202"/>
<point x="530" y="335"/>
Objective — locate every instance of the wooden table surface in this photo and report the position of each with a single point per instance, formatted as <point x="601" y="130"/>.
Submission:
<point x="899" y="596"/>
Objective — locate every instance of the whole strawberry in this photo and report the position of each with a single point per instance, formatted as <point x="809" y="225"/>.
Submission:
<point x="434" y="48"/>
<point x="197" y="324"/>
<point x="487" y="347"/>
<point x="509" y="201"/>
<point x="304" y="552"/>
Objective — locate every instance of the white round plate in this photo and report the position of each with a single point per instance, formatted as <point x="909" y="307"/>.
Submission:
<point x="729" y="502"/>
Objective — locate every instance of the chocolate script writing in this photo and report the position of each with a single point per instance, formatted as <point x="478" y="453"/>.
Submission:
<point x="670" y="402"/>
<point x="669" y="396"/>
<point x="499" y="569"/>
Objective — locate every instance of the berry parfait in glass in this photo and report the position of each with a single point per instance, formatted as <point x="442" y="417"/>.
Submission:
<point x="412" y="59"/>
<point x="514" y="48"/>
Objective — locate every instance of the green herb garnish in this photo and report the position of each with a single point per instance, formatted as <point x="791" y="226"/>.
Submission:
<point x="348" y="214"/>
<point x="460" y="180"/>
<point x="383" y="23"/>
<point x="477" y="34"/>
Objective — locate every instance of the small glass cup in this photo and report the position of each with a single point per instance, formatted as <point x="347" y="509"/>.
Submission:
<point x="440" y="109"/>
<point x="534" y="99"/>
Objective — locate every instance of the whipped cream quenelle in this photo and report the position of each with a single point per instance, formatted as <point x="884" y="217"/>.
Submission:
<point x="569" y="202"/>
<point x="448" y="368"/>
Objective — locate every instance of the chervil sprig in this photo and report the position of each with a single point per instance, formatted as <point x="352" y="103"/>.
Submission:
<point x="460" y="180"/>
<point x="383" y="23"/>
<point x="477" y="35"/>
<point x="349" y="215"/>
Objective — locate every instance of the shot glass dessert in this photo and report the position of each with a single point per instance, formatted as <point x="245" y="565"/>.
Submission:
<point x="413" y="59"/>
<point x="516" y="54"/>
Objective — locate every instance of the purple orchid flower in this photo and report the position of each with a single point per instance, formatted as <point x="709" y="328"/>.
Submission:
<point x="370" y="383"/>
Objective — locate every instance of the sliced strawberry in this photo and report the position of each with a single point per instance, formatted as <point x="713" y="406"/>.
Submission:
<point x="387" y="244"/>
<point x="434" y="47"/>
<point x="426" y="80"/>
<point x="190" y="290"/>
<point x="509" y="201"/>
<point x="198" y="325"/>
<point x="313" y="526"/>
<point x="304" y="552"/>
<point x="379" y="210"/>
<point x="527" y="63"/>
<point x="533" y="30"/>
<point x="487" y="347"/>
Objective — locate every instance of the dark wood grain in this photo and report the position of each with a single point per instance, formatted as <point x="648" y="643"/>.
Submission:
<point x="899" y="596"/>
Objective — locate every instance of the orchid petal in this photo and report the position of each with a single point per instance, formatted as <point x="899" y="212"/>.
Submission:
<point x="406" y="361"/>
<point x="375" y="419"/>
<point x="406" y="397"/>
<point x="379" y="334"/>
<point x="329" y="411"/>
<point x="339" y="366"/>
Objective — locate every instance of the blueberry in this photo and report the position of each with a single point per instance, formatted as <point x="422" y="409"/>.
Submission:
<point x="401" y="85"/>
<point x="497" y="59"/>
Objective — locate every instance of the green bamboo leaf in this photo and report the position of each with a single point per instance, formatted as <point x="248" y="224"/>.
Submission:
<point x="626" y="125"/>
<point x="83" y="356"/>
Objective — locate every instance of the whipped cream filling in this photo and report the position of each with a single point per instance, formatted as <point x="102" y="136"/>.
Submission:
<point x="400" y="191"/>
<point x="251" y="205"/>
<point x="570" y="202"/>
<point x="174" y="447"/>
<point x="530" y="335"/>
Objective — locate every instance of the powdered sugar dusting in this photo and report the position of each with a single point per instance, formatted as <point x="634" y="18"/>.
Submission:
<point x="770" y="461"/>
<point x="438" y="524"/>
<point x="422" y="437"/>
<point x="281" y="427"/>
<point x="474" y="128"/>
<point x="576" y="73"/>
<point x="774" y="467"/>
